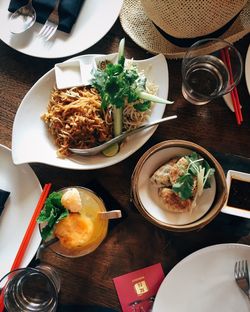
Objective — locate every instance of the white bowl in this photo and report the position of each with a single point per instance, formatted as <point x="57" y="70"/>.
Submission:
<point x="231" y="208"/>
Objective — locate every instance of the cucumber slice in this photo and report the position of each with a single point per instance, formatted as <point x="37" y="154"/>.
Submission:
<point x="112" y="150"/>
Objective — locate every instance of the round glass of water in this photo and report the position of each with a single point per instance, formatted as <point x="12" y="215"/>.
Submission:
<point x="210" y="68"/>
<point x="31" y="289"/>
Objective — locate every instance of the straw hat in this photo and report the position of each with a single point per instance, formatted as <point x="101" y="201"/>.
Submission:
<point x="169" y="27"/>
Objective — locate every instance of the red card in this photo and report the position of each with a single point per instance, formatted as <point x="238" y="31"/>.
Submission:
<point x="136" y="290"/>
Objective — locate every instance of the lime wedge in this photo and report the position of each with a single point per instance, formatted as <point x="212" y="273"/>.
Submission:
<point x="111" y="150"/>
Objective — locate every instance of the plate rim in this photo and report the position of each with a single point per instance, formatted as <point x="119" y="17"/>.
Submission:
<point x="197" y="253"/>
<point x="47" y="54"/>
<point x="27" y="257"/>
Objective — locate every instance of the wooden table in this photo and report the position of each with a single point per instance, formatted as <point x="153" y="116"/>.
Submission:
<point x="133" y="243"/>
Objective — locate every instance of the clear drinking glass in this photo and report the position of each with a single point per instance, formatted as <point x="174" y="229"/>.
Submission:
<point x="206" y="73"/>
<point x="31" y="289"/>
<point x="93" y="206"/>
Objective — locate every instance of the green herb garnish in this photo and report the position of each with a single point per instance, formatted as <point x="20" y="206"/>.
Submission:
<point x="184" y="186"/>
<point x="197" y="167"/>
<point x="52" y="213"/>
<point x="118" y="85"/>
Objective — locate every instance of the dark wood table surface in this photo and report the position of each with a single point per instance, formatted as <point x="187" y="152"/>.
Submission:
<point x="133" y="243"/>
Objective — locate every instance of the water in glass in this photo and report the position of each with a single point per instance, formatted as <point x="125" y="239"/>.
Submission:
<point x="206" y="77"/>
<point x="31" y="290"/>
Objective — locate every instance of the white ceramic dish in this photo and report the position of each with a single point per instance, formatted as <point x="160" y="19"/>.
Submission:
<point x="247" y="69"/>
<point x="204" y="281"/>
<point x="25" y="190"/>
<point x="94" y="21"/>
<point x="240" y="212"/>
<point x="28" y="128"/>
<point x="72" y="74"/>
<point x="112" y="58"/>
<point x="148" y="193"/>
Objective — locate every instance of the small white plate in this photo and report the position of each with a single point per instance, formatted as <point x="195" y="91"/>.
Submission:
<point x="29" y="128"/>
<point x="25" y="191"/>
<point x="240" y="212"/>
<point x="148" y="193"/>
<point x="204" y="282"/>
<point x="72" y="74"/>
<point x="94" y="21"/>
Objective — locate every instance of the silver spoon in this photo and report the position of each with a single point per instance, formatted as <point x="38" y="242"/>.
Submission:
<point x="95" y="150"/>
<point x="22" y="19"/>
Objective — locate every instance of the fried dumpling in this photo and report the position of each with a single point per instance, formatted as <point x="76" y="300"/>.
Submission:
<point x="161" y="176"/>
<point x="172" y="202"/>
<point x="178" y="169"/>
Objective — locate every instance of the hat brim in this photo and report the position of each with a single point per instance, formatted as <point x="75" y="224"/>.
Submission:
<point x="143" y="32"/>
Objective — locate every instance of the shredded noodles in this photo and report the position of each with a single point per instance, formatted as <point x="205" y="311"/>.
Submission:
<point x="75" y="118"/>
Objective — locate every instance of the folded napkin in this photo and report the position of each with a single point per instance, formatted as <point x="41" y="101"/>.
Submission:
<point x="68" y="11"/>
<point x="3" y="197"/>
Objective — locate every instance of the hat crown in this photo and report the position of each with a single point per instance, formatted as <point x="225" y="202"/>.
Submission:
<point x="190" y="19"/>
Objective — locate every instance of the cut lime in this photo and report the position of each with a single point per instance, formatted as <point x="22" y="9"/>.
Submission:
<point x="111" y="150"/>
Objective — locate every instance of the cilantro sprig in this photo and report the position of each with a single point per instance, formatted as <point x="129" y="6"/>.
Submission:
<point x="115" y="84"/>
<point x="52" y="213"/>
<point x="118" y="85"/>
<point x="197" y="167"/>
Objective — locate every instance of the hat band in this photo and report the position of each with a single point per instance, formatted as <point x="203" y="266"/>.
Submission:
<point x="186" y="42"/>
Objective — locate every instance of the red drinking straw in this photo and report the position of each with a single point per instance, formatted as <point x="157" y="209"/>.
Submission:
<point x="234" y="93"/>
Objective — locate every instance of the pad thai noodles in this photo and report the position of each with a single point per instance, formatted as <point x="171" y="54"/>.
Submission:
<point x="119" y="99"/>
<point x="76" y="119"/>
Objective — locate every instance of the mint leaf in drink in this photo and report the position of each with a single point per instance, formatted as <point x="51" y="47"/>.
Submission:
<point x="52" y="213"/>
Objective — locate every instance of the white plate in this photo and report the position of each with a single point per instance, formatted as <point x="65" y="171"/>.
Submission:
<point x="148" y="193"/>
<point x="94" y="21"/>
<point x="247" y="69"/>
<point x="31" y="141"/>
<point x="25" y="191"/>
<point x="204" y="282"/>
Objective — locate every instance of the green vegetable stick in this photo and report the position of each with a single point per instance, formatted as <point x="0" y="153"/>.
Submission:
<point x="117" y="117"/>
<point x="118" y="112"/>
<point x="121" y="57"/>
<point x="153" y="98"/>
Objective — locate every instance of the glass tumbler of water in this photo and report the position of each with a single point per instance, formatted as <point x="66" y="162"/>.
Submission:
<point x="31" y="289"/>
<point x="210" y="68"/>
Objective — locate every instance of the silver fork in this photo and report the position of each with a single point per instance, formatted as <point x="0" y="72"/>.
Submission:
<point x="51" y="25"/>
<point x="241" y="276"/>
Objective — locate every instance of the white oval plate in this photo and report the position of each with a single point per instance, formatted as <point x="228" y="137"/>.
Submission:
<point x="31" y="141"/>
<point x="25" y="191"/>
<point x="94" y="21"/>
<point x="204" y="282"/>
<point x="148" y="193"/>
<point x="247" y="69"/>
